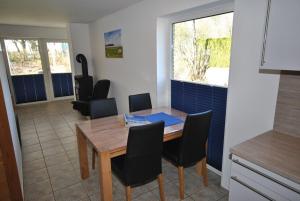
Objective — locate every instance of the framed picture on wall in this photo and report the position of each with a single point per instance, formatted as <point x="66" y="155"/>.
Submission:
<point x="113" y="44"/>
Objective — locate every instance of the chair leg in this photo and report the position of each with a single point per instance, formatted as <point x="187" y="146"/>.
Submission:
<point x="161" y="187"/>
<point x="199" y="168"/>
<point x="181" y="182"/>
<point x="93" y="159"/>
<point x="204" y="172"/>
<point x="128" y="193"/>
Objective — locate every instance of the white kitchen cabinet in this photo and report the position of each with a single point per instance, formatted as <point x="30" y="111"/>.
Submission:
<point x="242" y="192"/>
<point x="250" y="182"/>
<point x="281" y="41"/>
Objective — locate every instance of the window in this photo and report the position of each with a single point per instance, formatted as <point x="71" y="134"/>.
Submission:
<point x="24" y="57"/>
<point x="201" y="49"/>
<point x="59" y="58"/>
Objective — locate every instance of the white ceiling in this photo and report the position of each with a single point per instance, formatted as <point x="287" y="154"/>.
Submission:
<point x="57" y="12"/>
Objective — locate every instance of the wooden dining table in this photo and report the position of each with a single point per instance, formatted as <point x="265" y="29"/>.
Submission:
<point x="108" y="136"/>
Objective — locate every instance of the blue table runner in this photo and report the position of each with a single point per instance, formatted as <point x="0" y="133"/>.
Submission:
<point x="161" y="116"/>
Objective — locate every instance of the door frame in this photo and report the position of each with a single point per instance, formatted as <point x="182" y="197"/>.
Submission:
<point x="4" y="54"/>
<point x="47" y="65"/>
<point x="8" y="153"/>
<point x="42" y="44"/>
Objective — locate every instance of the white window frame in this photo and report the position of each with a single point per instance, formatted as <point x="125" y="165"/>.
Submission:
<point x="42" y="42"/>
<point x="209" y="12"/>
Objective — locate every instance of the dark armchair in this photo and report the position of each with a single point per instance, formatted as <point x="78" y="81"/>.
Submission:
<point x="100" y="91"/>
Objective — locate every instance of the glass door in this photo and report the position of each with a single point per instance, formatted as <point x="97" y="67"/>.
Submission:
<point x="60" y="68"/>
<point x="25" y="66"/>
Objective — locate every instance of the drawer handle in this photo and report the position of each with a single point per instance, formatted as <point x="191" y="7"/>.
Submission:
<point x="266" y="176"/>
<point x="252" y="189"/>
<point x="265" y="34"/>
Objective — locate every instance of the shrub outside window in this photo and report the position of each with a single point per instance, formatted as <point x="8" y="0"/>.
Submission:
<point x="201" y="49"/>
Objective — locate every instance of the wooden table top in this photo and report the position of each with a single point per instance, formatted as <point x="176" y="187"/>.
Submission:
<point x="274" y="151"/>
<point x="110" y="134"/>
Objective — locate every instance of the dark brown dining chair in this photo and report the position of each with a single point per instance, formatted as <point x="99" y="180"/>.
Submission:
<point x="142" y="162"/>
<point x="139" y="102"/>
<point x="99" y="109"/>
<point x="190" y="149"/>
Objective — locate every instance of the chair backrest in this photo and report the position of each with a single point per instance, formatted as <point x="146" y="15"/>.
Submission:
<point x="103" y="108"/>
<point x="139" y="102"/>
<point x="101" y="89"/>
<point x="192" y="147"/>
<point x="144" y="152"/>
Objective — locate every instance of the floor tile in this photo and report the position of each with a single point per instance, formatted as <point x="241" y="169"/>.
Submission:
<point x="47" y="197"/>
<point x="61" y="182"/>
<point x="91" y="185"/>
<point x="35" y="176"/>
<point x="46" y="133"/>
<point x="171" y="191"/>
<point x="51" y="143"/>
<point x="53" y="150"/>
<point x="147" y="196"/>
<point x="56" y="159"/>
<point x="31" y="148"/>
<point x="34" y="165"/>
<point x="60" y="169"/>
<point x="48" y="138"/>
<point x="33" y="156"/>
<point x="71" y="146"/>
<point x="35" y="191"/>
<point x="72" y="193"/>
<point x="69" y="139"/>
<point x="29" y="142"/>
<point x="207" y="194"/>
<point x="225" y="198"/>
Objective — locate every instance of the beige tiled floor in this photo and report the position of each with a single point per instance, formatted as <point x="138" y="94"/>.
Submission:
<point x="51" y="166"/>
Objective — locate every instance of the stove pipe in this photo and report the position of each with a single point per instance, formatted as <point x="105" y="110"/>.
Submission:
<point x="80" y="58"/>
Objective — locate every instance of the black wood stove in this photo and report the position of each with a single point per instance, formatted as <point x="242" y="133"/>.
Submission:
<point x="84" y="82"/>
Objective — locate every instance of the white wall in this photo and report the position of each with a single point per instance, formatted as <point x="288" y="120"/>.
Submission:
<point x="32" y="32"/>
<point x="252" y="94"/>
<point x="137" y="71"/>
<point x="164" y="55"/>
<point x="11" y="117"/>
<point x="80" y="39"/>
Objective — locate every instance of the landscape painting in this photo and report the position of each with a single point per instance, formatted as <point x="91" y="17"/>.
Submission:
<point x="113" y="44"/>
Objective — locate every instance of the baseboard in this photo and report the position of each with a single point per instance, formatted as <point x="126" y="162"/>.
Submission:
<point x="218" y="172"/>
<point x="45" y="101"/>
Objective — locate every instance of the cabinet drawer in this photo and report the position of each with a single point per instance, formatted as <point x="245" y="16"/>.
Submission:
<point x="242" y="191"/>
<point x="271" y="186"/>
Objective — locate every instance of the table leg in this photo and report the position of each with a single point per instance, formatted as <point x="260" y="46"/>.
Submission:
<point x="105" y="177"/>
<point x="83" y="155"/>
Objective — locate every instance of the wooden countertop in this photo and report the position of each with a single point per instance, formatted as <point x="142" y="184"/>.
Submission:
<point x="274" y="151"/>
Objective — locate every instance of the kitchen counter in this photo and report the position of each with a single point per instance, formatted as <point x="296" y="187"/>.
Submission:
<point x="274" y="151"/>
